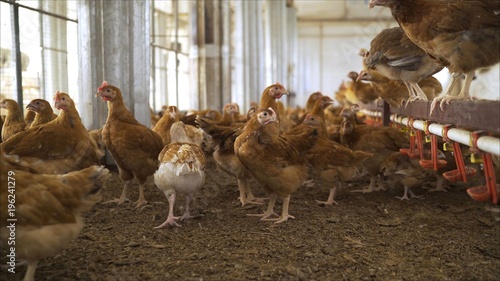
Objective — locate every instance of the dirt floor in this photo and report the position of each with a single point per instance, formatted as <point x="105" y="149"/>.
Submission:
<point x="445" y="236"/>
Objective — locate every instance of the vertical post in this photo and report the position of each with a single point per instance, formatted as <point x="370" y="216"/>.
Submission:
<point x="386" y="114"/>
<point x="114" y="45"/>
<point x="176" y="31"/>
<point x="16" y="47"/>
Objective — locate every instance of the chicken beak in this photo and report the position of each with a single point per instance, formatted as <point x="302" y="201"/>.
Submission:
<point x="360" y="75"/>
<point x="30" y="107"/>
<point x="374" y="3"/>
<point x="98" y="94"/>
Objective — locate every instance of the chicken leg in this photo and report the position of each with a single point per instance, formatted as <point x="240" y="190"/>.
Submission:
<point x="284" y="212"/>
<point x="408" y="191"/>
<point x="187" y="214"/>
<point x="123" y="198"/>
<point x="270" y="208"/>
<point x="371" y="187"/>
<point x="171" y="219"/>
<point x="246" y="195"/>
<point x="30" y="272"/>
<point x="455" y="78"/>
<point x="142" y="200"/>
<point x="331" y="196"/>
<point x="464" y="93"/>
<point x="420" y="95"/>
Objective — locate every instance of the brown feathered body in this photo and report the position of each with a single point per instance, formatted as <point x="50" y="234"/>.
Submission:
<point x="134" y="147"/>
<point x="335" y="162"/>
<point x="395" y="91"/>
<point x="48" y="208"/>
<point x="364" y="92"/>
<point x="395" y="56"/>
<point x="312" y="100"/>
<point x="275" y="161"/>
<point x="380" y="141"/>
<point x="14" y="120"/>
<point x="162" y="127"/>
<point x="462" y="35"/>
<point x="43" y="112"/>
<point x="59" y="146"/>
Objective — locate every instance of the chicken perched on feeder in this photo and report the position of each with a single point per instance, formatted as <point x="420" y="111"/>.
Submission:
<point x="461" y="35"/>
<point x="396" y="57"/>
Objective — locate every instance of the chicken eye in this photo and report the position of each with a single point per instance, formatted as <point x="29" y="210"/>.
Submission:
<point x="107" y="90"/>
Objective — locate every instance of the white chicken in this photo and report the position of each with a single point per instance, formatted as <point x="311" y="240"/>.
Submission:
<point x="182" y="165"/>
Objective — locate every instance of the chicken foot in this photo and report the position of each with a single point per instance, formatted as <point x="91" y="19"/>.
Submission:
<point x="123" y="198"/>
<point x="455" y="78"/>
<point x="408" y="191"/>
<point x="464" y="93"/>
<point x="187" y="214"/>
<point x="246" y="195"/>
<point x="284" y="212"/>
<point x="371" y="187"/>
<point x="439" y="184"/>
<point x="331" y="196"/>
<point x="270" y="208"/>
<point x="171" y="219"/>
<point x="419" y="93"/>
<point x="142" y="200"/>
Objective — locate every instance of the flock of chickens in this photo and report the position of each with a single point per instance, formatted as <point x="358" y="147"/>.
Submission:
<point x="57" y="161"/>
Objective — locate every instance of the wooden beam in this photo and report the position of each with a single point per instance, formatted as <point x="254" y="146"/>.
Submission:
<point x="471" y="115"/>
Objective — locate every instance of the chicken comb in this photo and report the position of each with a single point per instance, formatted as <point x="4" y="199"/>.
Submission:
<point x="104" y="84"/>
<point x="56" y="96"/>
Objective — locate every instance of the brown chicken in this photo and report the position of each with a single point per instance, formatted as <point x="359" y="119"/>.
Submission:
<point x="214" y="115"/>
<point x="96" y="134"/>
<point x="225" y="136"/>
<point x="47" y="209"/>
<point x="363" y="92"/>
<point x="336" y="163"/>
<point x="231" y="112"/>
<point x="396" y="57"/>
<point x="319" y="107"/>
<point x="270" y="95"/>
<point x="182" y="169"/>
<point x="340" y="94"/>
<point x="59" y="146"/>
<point x="14" y="121"/>
<point x="275" y="161"/>
<point x="134" y="147"/>
<point x="381" y="141"/>
<point x="43" y="112"/>
<point x="29" y="116"/>
<point x="312" y="100"/>
<point x="224" y="155"/>
<point x="401" y="169"/>
<point x="393" y="91"/>
<point x="162" y="127"/>
<point x="462" y="35"/>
